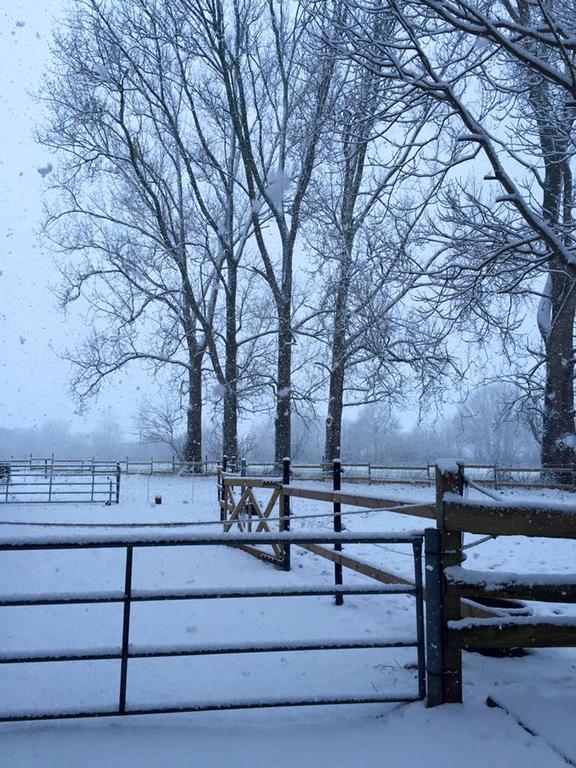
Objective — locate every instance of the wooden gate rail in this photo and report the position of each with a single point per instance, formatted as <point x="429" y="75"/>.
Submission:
<point x="447" y="582"/>
<point x="17" y="538"/>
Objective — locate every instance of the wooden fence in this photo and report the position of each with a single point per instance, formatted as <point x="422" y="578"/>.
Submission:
<point x="246" y="511"/>
<point x="466" y="610"/>
<point x="448" y="582"/>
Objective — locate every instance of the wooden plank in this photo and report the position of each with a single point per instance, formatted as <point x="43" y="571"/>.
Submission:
<point x="251" y="482"/>
<point x="276" y="559"/>
<point x="236" y="511"/>
<point x="469" y="609"/>
<point x="553" y="588"/>
<point x="356" y="500"/>
<point x="267" y="511"/>
<point x="427" y="511"/>
<point x="510" y="520"/>
<point x="511" y="633"/>
<point x="356" y="565"/>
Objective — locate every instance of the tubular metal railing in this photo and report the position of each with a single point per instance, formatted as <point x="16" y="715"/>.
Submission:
<point x="58" y="482"/>
<point x="18" y="538"/>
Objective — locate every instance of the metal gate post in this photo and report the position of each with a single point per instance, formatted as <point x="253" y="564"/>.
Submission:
<point x="285" y="511"/>
<point x="337" y="485"/>
<point x="118" y="475"/>
<point x="125" y="630"/>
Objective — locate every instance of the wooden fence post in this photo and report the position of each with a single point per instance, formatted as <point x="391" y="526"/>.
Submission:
<point x="449" y="479"/>
<point x="285" y="511"/>
<point x="434" y="607"/>
<point x="337" y="486"/>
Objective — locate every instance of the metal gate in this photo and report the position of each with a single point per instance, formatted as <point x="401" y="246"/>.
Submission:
<point x="157" y="536"/>
<point x="46" y="481"/>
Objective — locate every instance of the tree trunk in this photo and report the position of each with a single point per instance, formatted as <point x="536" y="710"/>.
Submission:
<point x="558" y="427"/>
<point x="557" y="328"/>
<point x="282" y="421"/>
<point x="230" y="423"/>
<point x="333" y="440"/>
<point x="193" y="444"/>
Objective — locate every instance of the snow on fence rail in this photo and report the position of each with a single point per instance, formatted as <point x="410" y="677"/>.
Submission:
<point x="49" y="481"/>
<point x="22" y="538"/>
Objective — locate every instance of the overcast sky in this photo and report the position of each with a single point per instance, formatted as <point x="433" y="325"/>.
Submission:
<point x="34" y="382"/>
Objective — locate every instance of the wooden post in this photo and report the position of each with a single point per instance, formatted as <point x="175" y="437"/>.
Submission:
<point x="285" y="511"/>
<point x="434" y="610"/>
<point x="449" y="479"/>
<point x="337" y="486"/>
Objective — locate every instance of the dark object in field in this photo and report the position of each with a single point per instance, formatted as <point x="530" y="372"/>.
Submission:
<point x="158" y="499"/>
<point x="5" y="472"/>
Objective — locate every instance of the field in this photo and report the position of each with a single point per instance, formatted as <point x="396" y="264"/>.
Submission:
<point x="385" y="735"/>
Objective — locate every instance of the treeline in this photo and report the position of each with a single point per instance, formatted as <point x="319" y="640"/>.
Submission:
<point x="483" y="430"/>
<point x="289" y="207"/>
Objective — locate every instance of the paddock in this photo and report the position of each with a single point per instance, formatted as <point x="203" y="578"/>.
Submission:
<point x="309" y="735"/>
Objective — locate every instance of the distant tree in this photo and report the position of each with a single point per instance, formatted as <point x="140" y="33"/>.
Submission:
<point x="162" y="424"/>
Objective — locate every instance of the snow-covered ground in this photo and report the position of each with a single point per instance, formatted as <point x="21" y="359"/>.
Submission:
<point x="384" y="735"/>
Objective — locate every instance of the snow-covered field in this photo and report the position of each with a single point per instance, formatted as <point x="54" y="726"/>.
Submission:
<point x="383" y="735"/>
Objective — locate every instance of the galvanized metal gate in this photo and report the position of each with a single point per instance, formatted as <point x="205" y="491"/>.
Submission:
<point x="46" y="539"/>
<point x="46" y="481"/>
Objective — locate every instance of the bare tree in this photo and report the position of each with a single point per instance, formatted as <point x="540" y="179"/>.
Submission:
<point x="362" y="225"/>
<point x="279" y="92"/>
<point x="148" y="195"/>
<point x="463" y="57"/>
<point x="162" y="424"/>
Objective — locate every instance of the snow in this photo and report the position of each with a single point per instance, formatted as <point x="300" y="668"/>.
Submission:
<point x="542" y="714"/>
<point x="492" y="582"/>
<point x="568" y="440"/>
<point x="278" y="183"/>
<point x="389" y="735"/>
<point x="448" y="466"/>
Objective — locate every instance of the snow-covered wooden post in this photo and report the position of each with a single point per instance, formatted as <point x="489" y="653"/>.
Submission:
<point x="434" y="635"/>
<point x="449" y="479"/>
